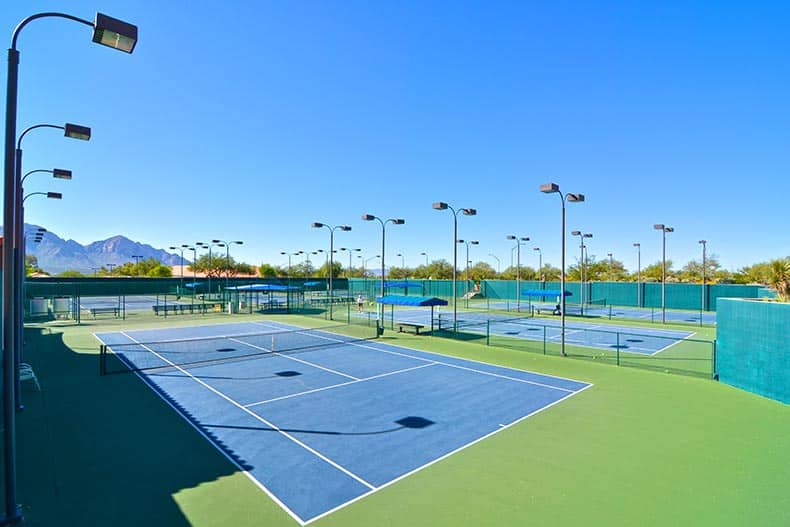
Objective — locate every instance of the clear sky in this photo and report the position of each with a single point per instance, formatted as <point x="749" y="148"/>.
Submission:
<point x="248" y="120"/>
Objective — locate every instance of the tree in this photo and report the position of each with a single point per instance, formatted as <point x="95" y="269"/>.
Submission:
<point x="436" y="270"/>
<point x="652" y="273"/>
<point x="692" y="271"/>
<point x="481" y="271"/>
<point x="268" y="270"/>
<point x="780" y="278"/>
<point x="31" y="265"/>
<point x="323" y="271"/>
<point x="71" y="274"/>
<point x="399" y="273"/>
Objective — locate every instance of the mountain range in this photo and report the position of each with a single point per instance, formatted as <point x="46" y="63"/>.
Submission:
<point x="56" y="255"/>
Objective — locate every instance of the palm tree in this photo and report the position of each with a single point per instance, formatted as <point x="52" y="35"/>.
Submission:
<point x="780" y="278"/>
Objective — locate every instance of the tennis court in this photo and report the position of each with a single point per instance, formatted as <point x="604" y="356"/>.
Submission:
<point x="320" y="418"/>
<point x="127" y="302"/>
<point x="643" y="341"/>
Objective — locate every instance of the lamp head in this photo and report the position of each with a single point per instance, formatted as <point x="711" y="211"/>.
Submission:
<point x="54" y="195"/>
<point x="474" y="242"/>
<point x="536" y="248"/>
<point x="368" y="217"/>
<point x="510" y="237"/>
<point x="575" y="197"/>
<point x="61" y="173"/>
<point x="114" y="33"/>
<point x="703" y="242"/>
<point x="524" y="238"/>
<point x="669" y="229"/>
<point x="460" y="241"/>
<point x="637" y="244"/>
<point x="469" y="212"/>
<point x="588" y="235"/>
<point x="658" y="226"/>
<point x="440" y="205"/>
<point x="75" y="131"/>
<point x="549" y="188"/>
<point x="576" y="233"/>
<point x="216" y="241"/>
<point x="398" y="221"/>
<point x="345" y="228"/>
<point x="316" y="225"/>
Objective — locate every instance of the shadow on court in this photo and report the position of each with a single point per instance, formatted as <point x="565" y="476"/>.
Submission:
<point x="98" y="450"/>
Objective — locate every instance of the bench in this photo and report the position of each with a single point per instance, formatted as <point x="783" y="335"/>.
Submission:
<point x="116" y="311"/>
<point x="417" y="327"/>
<point x="185" y="308"/>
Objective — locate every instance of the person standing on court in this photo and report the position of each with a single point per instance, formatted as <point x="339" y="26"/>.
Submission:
<point x="360" y="303"/>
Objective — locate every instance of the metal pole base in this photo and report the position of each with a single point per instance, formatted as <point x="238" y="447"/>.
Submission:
<point x="12" y="520"/>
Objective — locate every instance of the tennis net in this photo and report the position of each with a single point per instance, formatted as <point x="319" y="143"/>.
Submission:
<point x="124" y="354"/>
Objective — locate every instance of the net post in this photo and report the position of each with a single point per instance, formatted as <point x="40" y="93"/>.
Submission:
<point x="102" y="354"/>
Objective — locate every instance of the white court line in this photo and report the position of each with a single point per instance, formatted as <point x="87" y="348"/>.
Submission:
<point x="294" y="359"/>
<point x="349" y="383"/>
<point x="258" y="417"/>
<point x="445" y="456"/>
<point x="448" y="364"/>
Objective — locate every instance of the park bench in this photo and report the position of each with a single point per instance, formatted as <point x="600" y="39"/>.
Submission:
<point x="102" y="310"/>
<point x="416" y="327"/>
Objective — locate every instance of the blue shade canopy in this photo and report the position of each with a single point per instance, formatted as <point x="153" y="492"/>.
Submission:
<point x="402" y="284"/>
<point x="543" y="293"/>
<point x="311" y="284"/>
<point x="262" y="287"/>
<point x="421" y="301"/>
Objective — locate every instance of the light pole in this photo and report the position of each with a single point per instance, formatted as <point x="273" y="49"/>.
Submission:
<point x="227" y="245"/>
<point x="638" y="274"/>
<point x="467" y="243"/>
<point x="540" y="263"/>
<point x="518" y="241"/>
<point x="18" y="239"/>
<point x="426" y="258"/>
<point x="582" y="259"/>
<point x="350" y="253"/>
<point x="192" y="248"/>
<point x="111" y="265"/>
<point x="440" y="205"/>
<point x="704" y="244"/>
<point x="136" y="261"/>
<point x="498" y="263"/>
<point x="402" y="260"/>
<point x="553" y="188"/>
<point x="318" y="225"/>
<point x="394" y="221"/>
<point x="664" y="230"/>
<point x="611" y="266"/>
<point x="214" y="243"/>
<point x="364" y="263"/>
<point x="181" y="249"/>
<point x="109" y="32"/>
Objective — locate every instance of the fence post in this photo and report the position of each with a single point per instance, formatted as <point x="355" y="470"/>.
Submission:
<point x="488" y="332"/>
<point x="714" y="372"/>
<point x="544" y="340"/>
<point x="618" y="348"/>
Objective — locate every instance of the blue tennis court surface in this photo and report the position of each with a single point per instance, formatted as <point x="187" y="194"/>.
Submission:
<point x="321" y="427"/>
<point x="128" y="302"/>
<point x="643" y="341"/>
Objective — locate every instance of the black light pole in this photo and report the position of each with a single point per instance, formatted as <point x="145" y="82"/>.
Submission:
<point x="467" y="243"/>
<point x="664" y="230"/>
<point x="540" y="263"/>
<point x="518" y="241"/>
<point x="582" y="261"/>
<point x="638" y="274"/>
<point x="364" y="263"/>
<point x="19" y="250"/>
<point x="394" y="221"/>
<point x="318" y="225"/>
<point x="137" y="259"/>
<point x="181" y="249"/>
<point x="611" y="266"/>
<point x="350" y="253"/>
<point x="110" y="266"/>
<point x="704" y="244"/>
<point x="553" y="188"/>
<point x="109" y="32"/>
<point x="227" y="245"/>
<point x="426" y="259"/>
<point x="498" y="263"/>
<point x="440" y="205"/>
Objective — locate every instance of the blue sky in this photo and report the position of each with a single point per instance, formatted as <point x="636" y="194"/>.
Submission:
<point x="250" y="120"/>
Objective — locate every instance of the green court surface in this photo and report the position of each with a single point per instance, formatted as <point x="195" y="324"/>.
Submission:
<point x="639" y="447"/>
